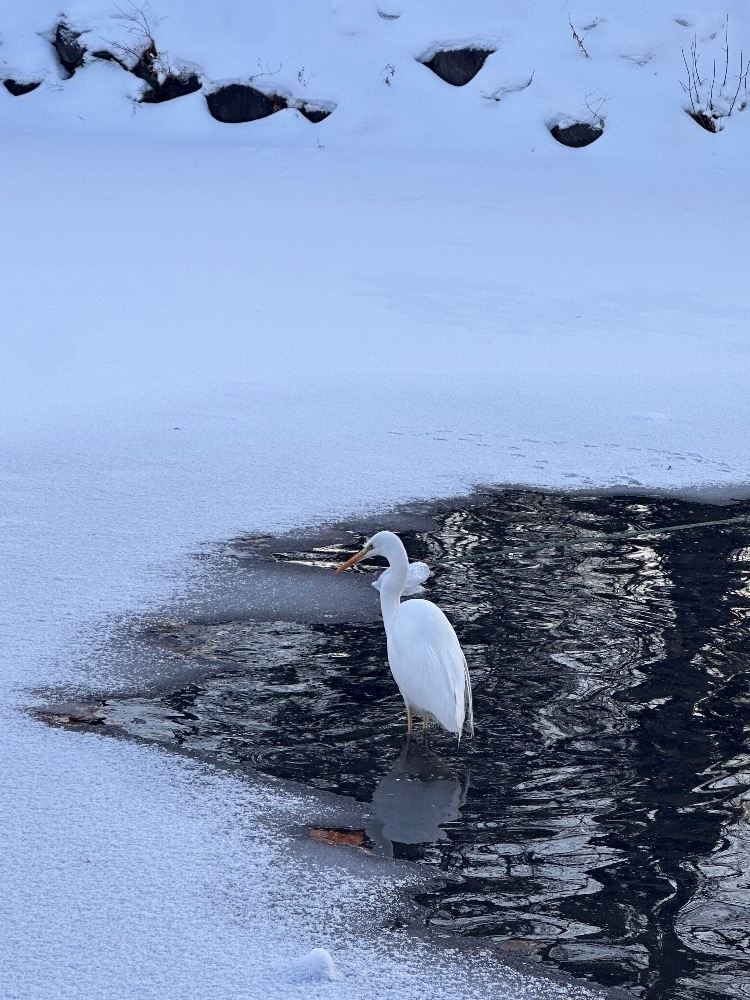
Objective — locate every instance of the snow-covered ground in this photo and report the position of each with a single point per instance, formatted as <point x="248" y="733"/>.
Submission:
<point x="210" y="329"/>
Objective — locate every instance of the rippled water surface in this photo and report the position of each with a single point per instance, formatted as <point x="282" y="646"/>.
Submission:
<point x="599" y="819"/>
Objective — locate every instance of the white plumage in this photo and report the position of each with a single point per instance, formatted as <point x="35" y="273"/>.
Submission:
<point x="418" y="573"/>
<point x="424" y="654"/>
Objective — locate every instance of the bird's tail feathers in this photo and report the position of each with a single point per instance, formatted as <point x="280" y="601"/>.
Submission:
<point x="469" y="699"/>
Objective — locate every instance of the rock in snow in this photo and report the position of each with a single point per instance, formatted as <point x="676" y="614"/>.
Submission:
<point x="18" y="89"/>
<point x="458" y="66"/>
<point x="238" y="102"/>
<point x="576" y="135"/>
<point x="70" y="51"/>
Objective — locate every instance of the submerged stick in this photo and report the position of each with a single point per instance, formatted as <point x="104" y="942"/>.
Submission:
<point x="593" y="539"/>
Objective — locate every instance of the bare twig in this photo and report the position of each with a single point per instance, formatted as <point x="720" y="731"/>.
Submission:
<point x="578" y="39"/>
<point x="501" y="92"/>
<point x="741" y="82"/>
<point x="639" y="60"/>
<point x="304" y="78"/>
<point x="139" y="20"/>
<point x="688" y="88"/>
<point x="718" y="104"/>
<point x="265" y="70"/>
<point x="140" y="24"/>
<point x="726" y="51"/>
<point x="695" y="62"/>
<point x="596" y="112"/>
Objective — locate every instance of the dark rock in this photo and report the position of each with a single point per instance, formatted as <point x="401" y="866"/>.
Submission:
<point x="705" y="120"/>
<point x="458" y="66"/>
<point x="145" y="68"/>
<point x="238" y="102"/>
<point x="107" y="56"/>
<point x="19" y="89"/>
<point x="173" y="86"/>
<point x="578" y="134"/>
<point x="69" y="50"/>
<point x="314" y="115"/>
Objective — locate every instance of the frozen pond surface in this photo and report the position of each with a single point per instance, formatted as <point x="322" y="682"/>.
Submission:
<point x="598" y="821"/>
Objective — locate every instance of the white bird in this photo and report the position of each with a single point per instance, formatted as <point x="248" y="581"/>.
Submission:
<point x="424" y="654"/>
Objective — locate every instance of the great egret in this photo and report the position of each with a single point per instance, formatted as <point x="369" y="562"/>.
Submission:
<point x="424" y="654"/>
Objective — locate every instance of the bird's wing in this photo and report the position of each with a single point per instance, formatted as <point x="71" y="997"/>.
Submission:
<point x="418" y="573"/>
<point x="448" y="669"/>
<point x="428" y="664"/>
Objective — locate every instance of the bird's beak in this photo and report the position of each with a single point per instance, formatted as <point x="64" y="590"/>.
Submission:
<point x="354" y="559"/>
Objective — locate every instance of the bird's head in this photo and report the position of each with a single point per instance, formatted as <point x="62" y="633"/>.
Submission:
<point x="381" y="544"/>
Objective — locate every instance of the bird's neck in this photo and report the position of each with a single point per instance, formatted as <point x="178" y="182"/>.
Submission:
<point x="392" y="585"/>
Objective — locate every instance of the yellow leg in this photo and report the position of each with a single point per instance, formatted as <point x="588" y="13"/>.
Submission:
<point x="408" y="720"/>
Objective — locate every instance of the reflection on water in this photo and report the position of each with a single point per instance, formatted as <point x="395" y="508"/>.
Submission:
<point x="605" y="827"/>
<point x="415" y="800"/>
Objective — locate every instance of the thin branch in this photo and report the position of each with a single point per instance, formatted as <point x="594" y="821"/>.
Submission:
<point x="710" y="102"/>
<point x="139" y="20"/>
<point x="267" y="71"/>
<point x="578" y="39"/>
<point x="718" y="105"/>
<point x="741" y="80"/>
<point x="689" y="87"/>
<point x="502" y="92"/>
<point x="596" y="114"/>
<point x="726" y="51"/>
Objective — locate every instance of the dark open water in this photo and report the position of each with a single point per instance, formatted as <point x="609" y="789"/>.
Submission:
<point x="599" y="820"/>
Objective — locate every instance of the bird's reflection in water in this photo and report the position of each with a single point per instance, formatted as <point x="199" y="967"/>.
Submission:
<point x="415" y="799"/>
